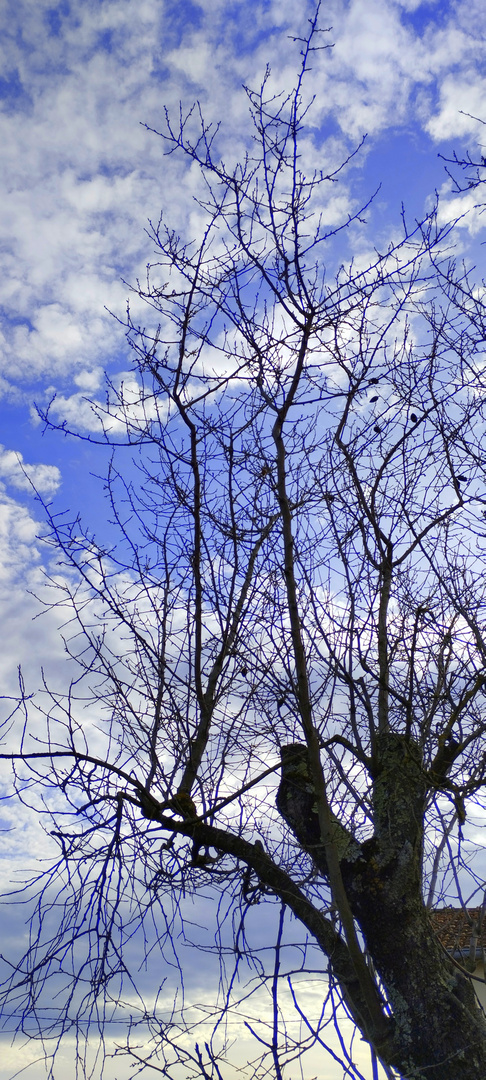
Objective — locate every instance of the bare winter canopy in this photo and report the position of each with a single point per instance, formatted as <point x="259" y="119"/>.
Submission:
<point x="285" y="654"/>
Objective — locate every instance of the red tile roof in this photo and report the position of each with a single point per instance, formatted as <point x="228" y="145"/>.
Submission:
<point x="453" y="927"/>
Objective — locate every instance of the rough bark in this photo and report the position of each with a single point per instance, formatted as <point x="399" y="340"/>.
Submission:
<point x="439" y="1029"/>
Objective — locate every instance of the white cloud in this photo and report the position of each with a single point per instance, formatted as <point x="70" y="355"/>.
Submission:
<point x="464" y="208"/>
<point x="17" y="539"/>
<point x="89" y="381"/>
<point x="380" y="61"/>
<point x="83" y="411"/>
<point x="16" y="472"/>
<point x="82" y="175"/>
<point x="462" y="103"/>
<point x="25" y="640"/>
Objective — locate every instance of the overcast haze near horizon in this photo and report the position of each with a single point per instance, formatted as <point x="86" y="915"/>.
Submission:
<point x="81" y="175"/>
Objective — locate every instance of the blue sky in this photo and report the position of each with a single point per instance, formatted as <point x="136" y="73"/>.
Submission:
<point x="81" y="174"/>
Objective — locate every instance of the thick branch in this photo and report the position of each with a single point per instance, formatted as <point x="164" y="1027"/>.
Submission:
<point x="322" y="929"/>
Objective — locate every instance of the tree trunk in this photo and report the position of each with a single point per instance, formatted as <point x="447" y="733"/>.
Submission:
<point x="440" y="1030"/>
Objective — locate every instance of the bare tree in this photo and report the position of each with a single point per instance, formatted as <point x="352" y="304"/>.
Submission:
<point x="285" y="654"/>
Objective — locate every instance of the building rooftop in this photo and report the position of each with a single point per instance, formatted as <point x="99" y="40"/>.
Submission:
<point x="453" y="927"/>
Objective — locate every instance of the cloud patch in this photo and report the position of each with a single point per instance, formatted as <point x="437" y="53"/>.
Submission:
<point x="17" y="473"/>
